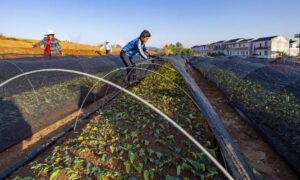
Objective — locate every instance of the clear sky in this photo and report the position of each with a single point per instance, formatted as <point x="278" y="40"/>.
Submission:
<point x="188" y="21"/>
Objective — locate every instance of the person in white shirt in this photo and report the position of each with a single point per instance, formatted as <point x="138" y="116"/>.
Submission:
<point x="108" y="48"/>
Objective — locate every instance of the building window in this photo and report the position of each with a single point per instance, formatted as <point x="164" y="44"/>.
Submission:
<point x="266" y="53"/>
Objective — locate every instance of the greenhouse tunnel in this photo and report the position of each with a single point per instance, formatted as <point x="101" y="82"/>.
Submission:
<point x="37" y="100"/>
<point x="267" y="93"/>
<point x="33" y="102"/>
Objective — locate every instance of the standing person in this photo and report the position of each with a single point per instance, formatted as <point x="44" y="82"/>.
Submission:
<point x="108" y="48"/>
<point x="134" y="47"/>
<point x="50" y="43"/>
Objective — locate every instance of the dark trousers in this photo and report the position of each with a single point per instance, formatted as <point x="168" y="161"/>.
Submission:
<point x="128" y="63"/>
<point x="107" y="52"/>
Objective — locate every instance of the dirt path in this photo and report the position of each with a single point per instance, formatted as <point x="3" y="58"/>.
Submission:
<point x="258" y="153"/>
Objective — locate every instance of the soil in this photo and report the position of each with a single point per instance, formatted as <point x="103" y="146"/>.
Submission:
<point x="258" y="153"/>
<point x="25" y="171"/>
<point x="16" y="56"/>
<point x="28" y="145"/>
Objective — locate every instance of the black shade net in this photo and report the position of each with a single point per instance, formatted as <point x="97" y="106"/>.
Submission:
<point x="268" y="93"/>
<point x="35" y="101"/>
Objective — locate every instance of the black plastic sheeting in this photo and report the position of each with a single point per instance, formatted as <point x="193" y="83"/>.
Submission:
<point x="267" y="93"/>
<point x="11" y="68"/>
<point x="236" y="162"/>
<point x="33" y="102"/>
<point x="27" y="159"/>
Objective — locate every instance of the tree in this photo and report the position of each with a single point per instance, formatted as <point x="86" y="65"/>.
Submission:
<point x="179" y="45"/>
<point x="176" y="49"/>
<point x="167" y="49"/>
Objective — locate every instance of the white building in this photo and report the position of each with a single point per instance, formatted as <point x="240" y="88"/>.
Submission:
<point x="265" y="47"/>
<point x="243" y="48"/>
<point x="202" y="50"/>
<point x="231" y="46"/>
<point x="239" y="47"/>
<point x="271" y="47"/>
<point x="294" y="48"/>
<point x="218" y="47"/>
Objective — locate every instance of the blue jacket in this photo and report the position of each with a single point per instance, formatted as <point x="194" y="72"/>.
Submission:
<point x="135" y="47"/>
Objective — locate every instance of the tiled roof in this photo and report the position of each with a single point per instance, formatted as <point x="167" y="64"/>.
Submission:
<point x="234" y="40"/>
<point x="246" y="40"/>
<point x="219" y="42"/>
<point x="264" y="38"/>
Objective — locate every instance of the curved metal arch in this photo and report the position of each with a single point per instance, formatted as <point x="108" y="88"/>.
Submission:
<point x="190" y="137"/>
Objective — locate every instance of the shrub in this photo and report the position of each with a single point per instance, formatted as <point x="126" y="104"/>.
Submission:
<point x="176" y="49"/>
<point x="213" y="54"/>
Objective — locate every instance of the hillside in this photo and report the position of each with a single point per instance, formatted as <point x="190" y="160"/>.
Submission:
<point x="16" y="47"/>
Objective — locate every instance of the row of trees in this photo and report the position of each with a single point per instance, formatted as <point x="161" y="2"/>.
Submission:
<point x="177" y="48"/>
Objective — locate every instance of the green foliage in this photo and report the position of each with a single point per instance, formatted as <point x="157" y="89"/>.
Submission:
<point x="46" y="100"/>
<point x="177" y="49"/>
<point x="131" y="157"/>
<point x="178" y="45"/>
<point x="282" y="106"/>
<point x="281" y="55"/>
<point x="128" y="141"/>
<point x="54" y="175"/>
<point x="213" y="54"/>
<point x="146" y="175"/>
<point x="280" y="111"/>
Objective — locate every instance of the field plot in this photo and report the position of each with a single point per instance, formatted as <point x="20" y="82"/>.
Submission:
<point x="267" y="94"/>
<point x="16" y="47"/>
<point x="128" y="140"/>
<point x="34" y="102"/>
